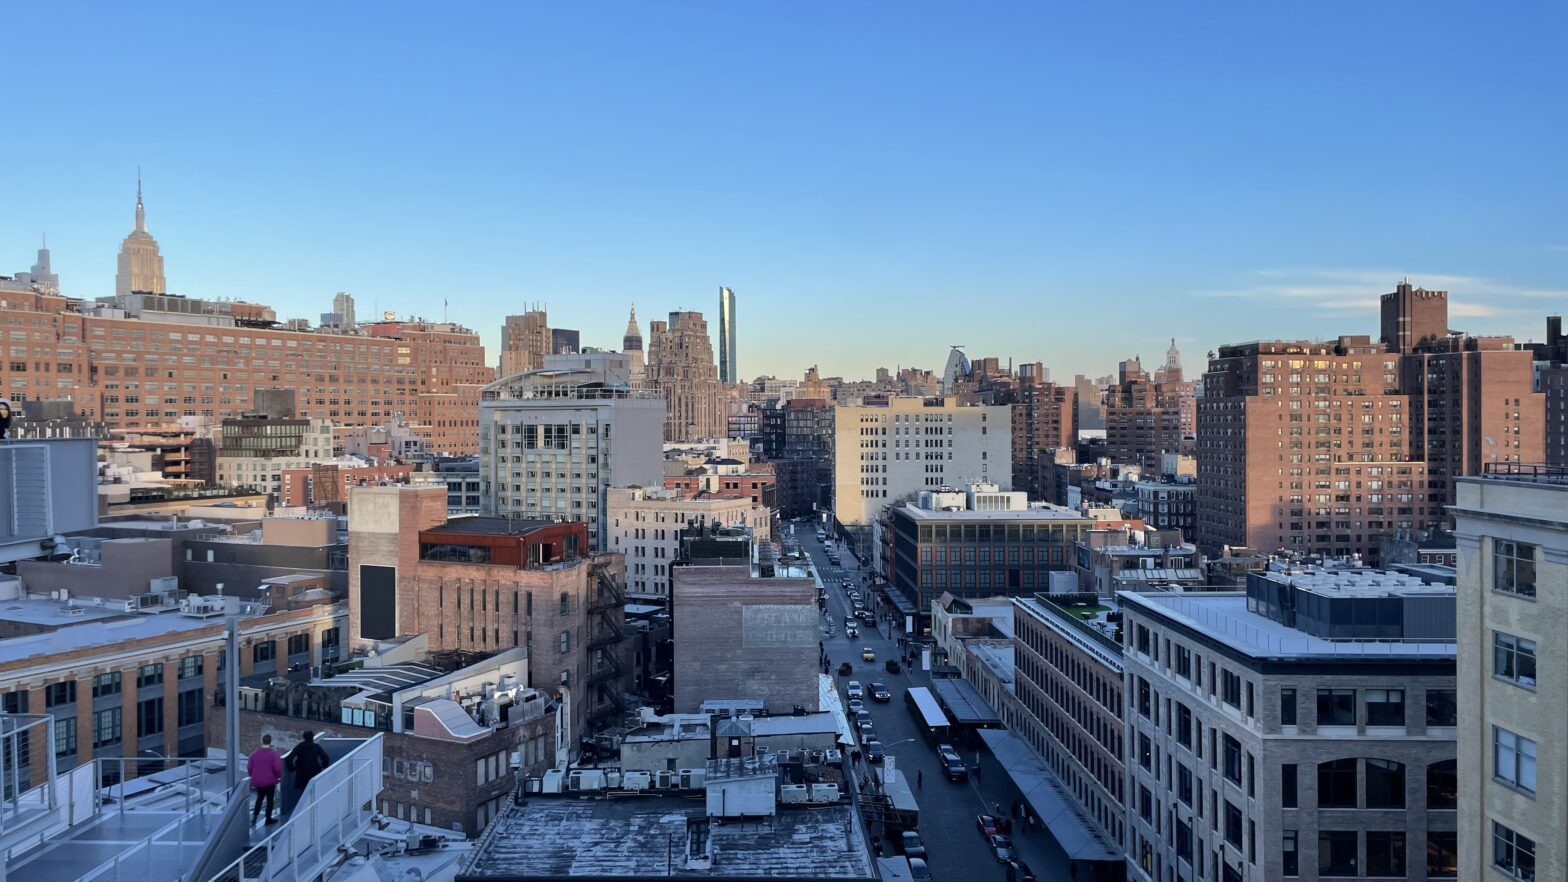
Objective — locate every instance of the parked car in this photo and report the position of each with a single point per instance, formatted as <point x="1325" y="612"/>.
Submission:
<point x="868" y="654"/>
<point x="914" y="846"/>
<point x="918" y="870"/>
<point x="1002" y="847"/>
<point x="1020" y="872"/>
<point x="954" y="769"/>
<point x="853" y="690"/>
<point x="989" y="825"/>
<point x="946" y="751"/>
<point x="853" y="595"/>
<point x="856" y="705"/>
<point x="879" y="692"/>
<point x="868" y="732"/>
<point x="874" y="752"/>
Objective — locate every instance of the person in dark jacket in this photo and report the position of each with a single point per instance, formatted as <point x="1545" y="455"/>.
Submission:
<point x="306" y="761"/>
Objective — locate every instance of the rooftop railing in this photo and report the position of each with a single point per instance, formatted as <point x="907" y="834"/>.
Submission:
<point x="1527" y="472"/>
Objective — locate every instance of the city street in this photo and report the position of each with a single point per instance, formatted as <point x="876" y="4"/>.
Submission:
<point x="947" y="810"/>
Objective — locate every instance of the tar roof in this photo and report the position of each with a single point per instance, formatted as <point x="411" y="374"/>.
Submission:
<point x="551" y="837"/>
<point x="490" y="526"/>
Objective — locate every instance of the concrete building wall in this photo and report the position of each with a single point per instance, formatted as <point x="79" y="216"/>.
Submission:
<point x="882" y="454"/>
<point x="1489" y="512"/>
<point x="128" y="568"/>
<point x="749" y="638"/>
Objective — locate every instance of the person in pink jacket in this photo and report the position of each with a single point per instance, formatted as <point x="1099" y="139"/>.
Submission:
<point x="265" y="768"/>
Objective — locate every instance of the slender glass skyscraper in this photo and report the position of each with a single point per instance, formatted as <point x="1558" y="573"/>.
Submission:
<point x="727" y="372"/>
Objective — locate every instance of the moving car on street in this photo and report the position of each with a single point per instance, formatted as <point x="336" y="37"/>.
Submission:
<point x="868" y="654"/>
<point x="914" y="846"/>
<point x="1002" y="847"/>
<point x="879" y="692"/>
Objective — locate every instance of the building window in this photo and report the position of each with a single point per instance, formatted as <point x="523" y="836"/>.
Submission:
<point x="1513" y="759"/>
<point x="1442" y="785"/>
<point x="56" y="694"/>
<point x="1290" y="863"/>
<point x="566" y="603"/>
<point x="1287" y="785"/>
<point x="190" y="666"/>
<point x="106" y="727"/>
<point x="264" y="651"/>
<point x="1442" y="854"/>
<point x="299" y="644"/>
<point x="1337" y="853"/>
<point x="106" y="684"/>
<point x="1513" y="567"/>
<point x="149" y="675"/>
<point x="1232" y="760"/>
<point x="1337" y="784"/>
<point x="1230" y="691"/>
<point x="65" y="736"/>
<point x="1385" y="784"/>
<point x="1336" y="707"/>
<point x="1513" y="659"/>
<point x="1442" y="707"/>
<point x="1385" y="707"/>
<point x="1386" y="853"/>
<point x="1287" y="707"/>
<point x="150" y="716"/>
<point x="1513" y="853"/>
<point x="566" y="641"/>
<point x="191" y="707"/>
<point x="1232" y="824"/>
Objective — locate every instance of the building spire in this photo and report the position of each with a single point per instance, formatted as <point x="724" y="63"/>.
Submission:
<point x="141" y="213"/>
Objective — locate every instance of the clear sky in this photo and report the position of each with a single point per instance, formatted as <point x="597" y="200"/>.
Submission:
<point x="1073" y="183"/>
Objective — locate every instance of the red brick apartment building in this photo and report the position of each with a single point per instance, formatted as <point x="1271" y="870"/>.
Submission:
<point x="144" y="360"/>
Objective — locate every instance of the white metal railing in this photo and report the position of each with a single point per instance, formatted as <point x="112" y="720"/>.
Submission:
<point x="335" y="808"/>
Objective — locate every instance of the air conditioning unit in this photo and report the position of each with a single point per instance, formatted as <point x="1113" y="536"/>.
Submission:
<point x="793" y="793"/>
<point x="637" y="780"/>
<point x="693" y="779"/>
<point x="554" y="781"/>
<point x="822" y="793"/>
<point x="833" y="757"/>
<point x="664" y="780"/>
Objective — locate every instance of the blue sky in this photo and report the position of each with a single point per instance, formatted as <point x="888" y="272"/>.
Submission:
<point x="875" y="180"/>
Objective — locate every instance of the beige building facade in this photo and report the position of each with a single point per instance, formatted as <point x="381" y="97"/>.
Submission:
<point x="645" y="524"/>
<point x="883" y="453"/>
<point x="1512" y="532"/>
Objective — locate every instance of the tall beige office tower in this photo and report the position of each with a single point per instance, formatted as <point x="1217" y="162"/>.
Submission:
<point x="140" y="265"/>
<point x="680" y="365"/>
<point x="525" y="341"/>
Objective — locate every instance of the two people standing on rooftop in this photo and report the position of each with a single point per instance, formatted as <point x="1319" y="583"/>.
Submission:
<point x="265" y="768"/>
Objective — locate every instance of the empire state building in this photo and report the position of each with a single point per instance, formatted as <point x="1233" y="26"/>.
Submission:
<point x="140" y="266"/>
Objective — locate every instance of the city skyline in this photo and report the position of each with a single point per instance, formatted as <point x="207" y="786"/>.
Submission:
<point x="1011" y="180"/>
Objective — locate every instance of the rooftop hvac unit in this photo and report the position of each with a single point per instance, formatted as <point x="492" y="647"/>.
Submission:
<point x="664" y="780"/>
<point x="693" y="779"/>
<point x="793" y="793"/>
<point x="822" y="793"/>
<point x="637" y="780"/>
<point x="553" y="782"/>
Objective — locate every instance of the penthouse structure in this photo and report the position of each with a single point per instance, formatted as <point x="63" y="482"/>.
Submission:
<point x="1304" y="729"/>
<point x="141" y="361"/>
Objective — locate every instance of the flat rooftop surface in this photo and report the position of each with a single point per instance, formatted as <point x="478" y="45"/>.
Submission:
<point x="489" y="526"/>
<point x="101" y="633"/>
<point x="1225" y="617"/>
<point x="630" y="839"/>
<point x="1051" y="513"/>
<point x="43" y="611"/>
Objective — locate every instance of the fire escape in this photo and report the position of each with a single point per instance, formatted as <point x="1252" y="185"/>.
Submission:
<point x="606" y="614"/>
